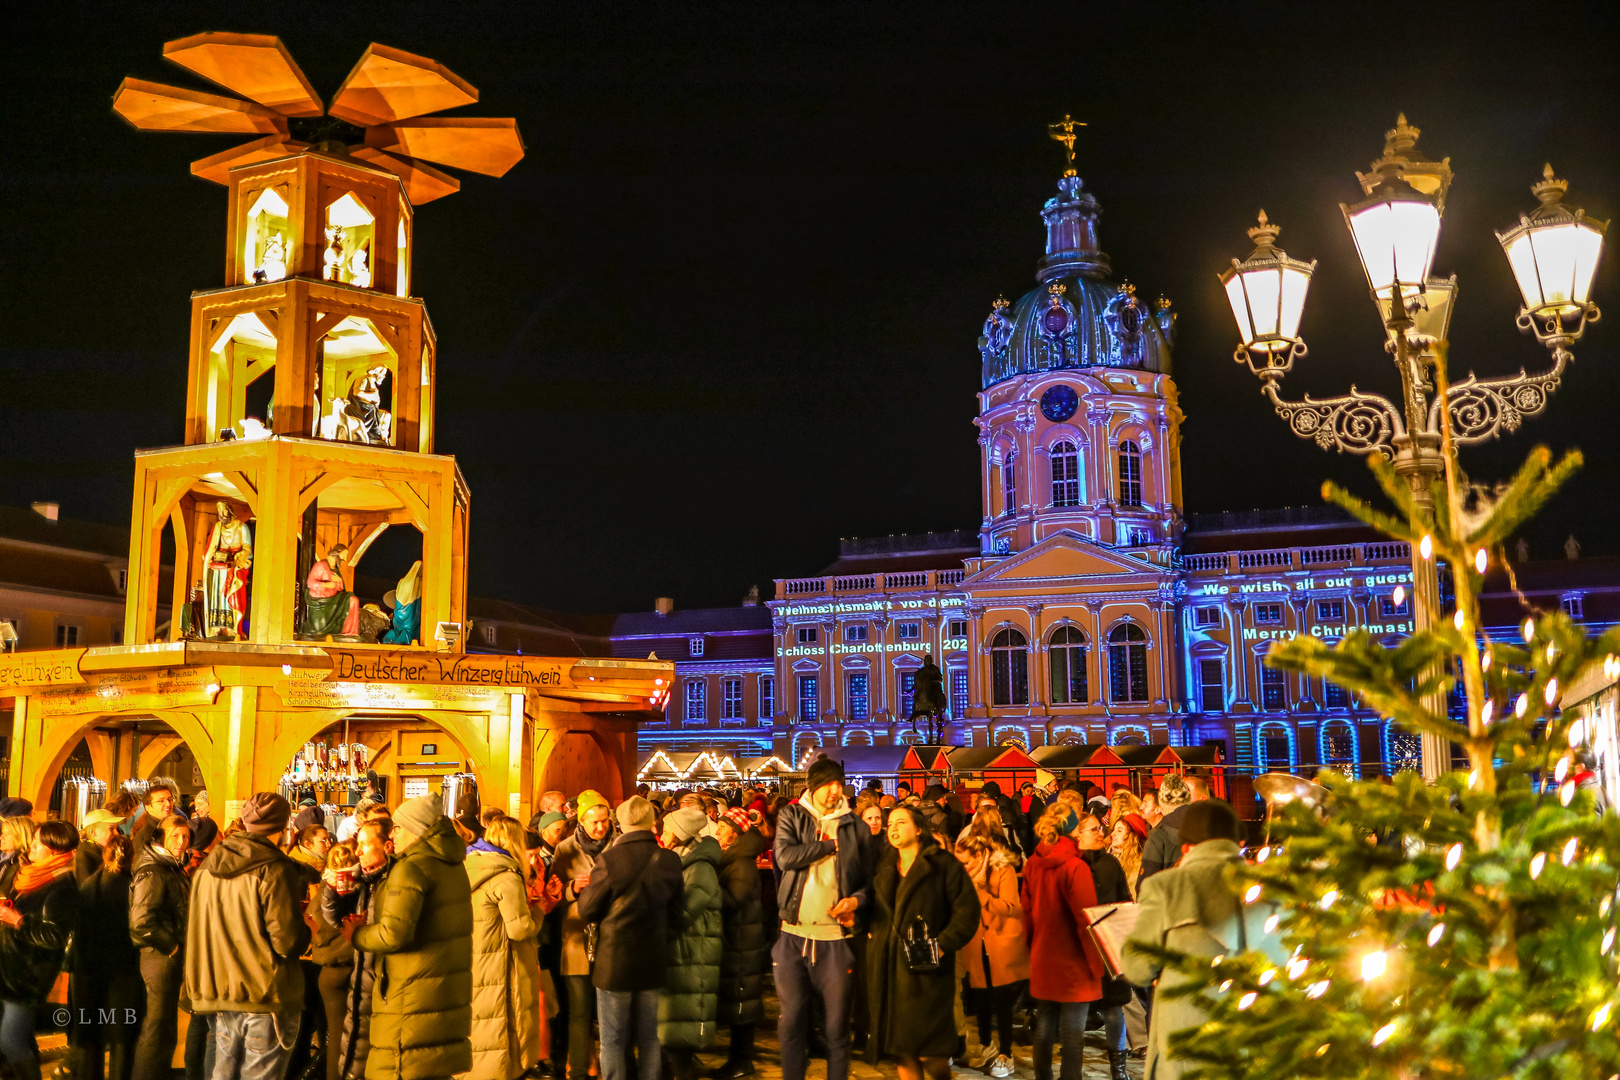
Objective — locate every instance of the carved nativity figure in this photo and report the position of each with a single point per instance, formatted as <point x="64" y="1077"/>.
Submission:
<point x="329" y="608"/>
<point x="360" y="417"/>
<point x="228" y="568"/>
<point x="404" y="625"/>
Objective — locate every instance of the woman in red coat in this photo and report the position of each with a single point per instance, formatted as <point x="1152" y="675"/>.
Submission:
<point x="1065" y="971"/>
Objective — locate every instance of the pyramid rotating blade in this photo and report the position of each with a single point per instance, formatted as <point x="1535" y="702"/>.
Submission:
<point x="423" y="183"/>
<point x="257" y="66"/>
<point x="388" y="84"/>
<point x="152" y="106"/>
<point x="218" y="166"/>
<point x="488" y="145"/>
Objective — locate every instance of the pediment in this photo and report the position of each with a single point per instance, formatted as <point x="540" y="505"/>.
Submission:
<point x="1065" y="556"/>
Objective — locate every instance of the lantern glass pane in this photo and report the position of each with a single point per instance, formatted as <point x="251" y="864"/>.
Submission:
<point x="1263" y="287"/>
<point x="1396" y="241"/>
<point x="1240" y="308"/>
<point x="1295" y="283"/>
<point x="1522" y="258"/>
<point x="1566" y="257"/>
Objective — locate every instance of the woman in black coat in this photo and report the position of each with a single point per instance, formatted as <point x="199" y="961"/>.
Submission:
<point x="914" y="1012"/>
<point x="160" y="901"/>
<point x="106" y="969"/>
<point x="744" y="954"/>
<point x="371" y="845"/>
<point x="34" y="932"/>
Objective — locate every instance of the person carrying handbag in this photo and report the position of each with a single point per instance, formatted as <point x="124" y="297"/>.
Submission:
<point x="996" y="961"/>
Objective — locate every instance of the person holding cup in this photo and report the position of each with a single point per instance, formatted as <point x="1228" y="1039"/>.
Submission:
<point x="347" y="894"/>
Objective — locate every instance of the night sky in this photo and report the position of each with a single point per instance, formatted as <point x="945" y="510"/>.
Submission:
<point x="725" y="311"/>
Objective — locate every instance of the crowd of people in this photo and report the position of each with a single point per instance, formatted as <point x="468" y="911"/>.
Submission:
<point x="592" y="940"/>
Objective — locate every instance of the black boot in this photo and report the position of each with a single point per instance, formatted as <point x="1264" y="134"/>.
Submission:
<point x="1116" y="1065"/>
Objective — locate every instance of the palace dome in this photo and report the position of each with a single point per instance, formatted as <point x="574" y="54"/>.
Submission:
<point x="1077" y="317"/>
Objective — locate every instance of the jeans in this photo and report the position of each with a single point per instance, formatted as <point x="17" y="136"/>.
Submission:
<point x="1114" y="1027"/>
<point x="1065" y="1021"/>
<point x="159" y="1030"/>
<point x="253" y="1046"/>
<point x="17" y="1044"/>
<point x="825" y="968"/>
<point x="628" y="1016"/>
<point x="581" y="1011"/>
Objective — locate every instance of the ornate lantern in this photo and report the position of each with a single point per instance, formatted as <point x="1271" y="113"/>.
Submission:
<point x="1554" y="253"/>
<point x="1267" y="293"/>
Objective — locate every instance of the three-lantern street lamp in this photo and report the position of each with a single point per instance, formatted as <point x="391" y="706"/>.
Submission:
<point x="1553" y="252"/>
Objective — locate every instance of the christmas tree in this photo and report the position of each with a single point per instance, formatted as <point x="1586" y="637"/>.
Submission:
<point x="1461" y="930"/>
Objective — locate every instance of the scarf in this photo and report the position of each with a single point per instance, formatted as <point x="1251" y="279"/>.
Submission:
<point x="592" y="848"/>
<point x="485" y="845"/>
<point x="35" y="875"/>
<point x="827" y="824"/>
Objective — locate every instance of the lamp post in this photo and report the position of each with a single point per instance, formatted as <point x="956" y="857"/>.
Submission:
<point x="1553" y="252"/>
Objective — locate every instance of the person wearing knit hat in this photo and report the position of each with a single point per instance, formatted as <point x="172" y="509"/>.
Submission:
<point x="587" y="799"/>
<point x="635" y="813"/>
<point x="824" y="882"/>
<point x="421" y="924"/>
<point x="1163" y="847"/>
<point x="688" y="1005"/>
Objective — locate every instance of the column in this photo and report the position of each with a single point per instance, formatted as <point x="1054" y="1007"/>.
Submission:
<point x="1302" y="610"/>
<point x="879" y="686"/>
<point x="831" y="692"/>
<point x="1037" y="665"/>
<point x="1241" y="701"/>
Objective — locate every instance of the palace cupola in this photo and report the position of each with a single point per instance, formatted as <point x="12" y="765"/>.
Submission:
<point x="1077" y="413"/>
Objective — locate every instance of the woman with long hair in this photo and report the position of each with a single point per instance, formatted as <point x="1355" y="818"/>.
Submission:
<point x="35" y="926"/>
<point x="506" y="958"/>
<point x="997" y="959"/>
<point x="1130" y="833"/>
<point x="106" y="969"/>
<point x="1122" y="802"/>
<point x="987" y="823"/>
<point x="16" y="837"/>
<point x="920" y="893"/>
<point x="1108" y="878"/>
<point x="1065" y="971"/>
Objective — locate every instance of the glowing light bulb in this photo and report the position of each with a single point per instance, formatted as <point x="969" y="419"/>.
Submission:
<point x="1225" y="986"/>
<point x="1521" y="706"/>
<point x="1247" y="999"/>
<point x="1600" y="1015"/>
<point x="1538" y="864"/>
<point x="1473" y="779"/>
<point x="1458" y="620"/>
<point x="211" y="689"/>
<point x="1426" y="546"/>
<point x="1485" y="713"/>
<point x="1272" y="924"/>
<point x="1562" y="770"/>
<point x="1381" y="1036"/>
<point x="1317" y="989"/>
<point x="1453" y="856"/>
<point x="1572" y="847"/>
<point x="1551" y="693"/>
<point x="1566" y="793"/>
<point x="1252" y="894"/>
<point x="1577" y="733"/>
<point x="1481" y="560"/>
<point x="1296" y="968"/>
<point x="1328" y="898"/>
<point x="1552" y="651"/>
<point x="1323" y="1049"/>
<point x="1398" y="597"/>
<point x="1529" y="630"/>
<point x="1267" y="975"/>
<point x="1373" y="965"/>
<point x="1608" y="942"/>
<point x="286" y="669"/>
<point x="1485" y="661"/>
<point x="1438" y="932"/>
<point x="1262" y="855"/>
<point x="1604" y="905"/>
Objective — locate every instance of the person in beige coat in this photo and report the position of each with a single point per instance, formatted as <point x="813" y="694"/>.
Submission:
<point x="506" y="958"/>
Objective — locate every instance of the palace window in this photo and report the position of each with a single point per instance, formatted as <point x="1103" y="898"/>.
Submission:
<point x="1067" y="661"/>
<point x="1065" y="475"/>
<point x="809" y="699"/>
<point x="1127" y="663"/>
<point x="767" y="698"/>
<point x="731" y="700"/>
<point x="959" y="693"/>
<point x="1272" y="750"/>
<point x="1389" y="609"/>
<point x="1130" y="474"/>
<point x="1211" y="686"/>
<point x="855" y="633"/>
<point x="1009" y="484"/>
<point x="908" y="631"/>
<point x="1334" y="696"/>
<point x="957" y="628"/>
<point x="1572" y="607"/>
<point x="1207" y="616"/>
<point x="66" y="636"/>
<point x="808" y="635"/>
<point x="859" y="708"/>
<point x="1009" y="668"/>
<point x="694" y="646"/>
<point x="908" y="692"/>
<point x="697" y="700"/>
<point x="1330" y="610"/>
<point x="1338" y="745"/>
<point x="1273" y="689"/>
<point x="1268" y="613"/>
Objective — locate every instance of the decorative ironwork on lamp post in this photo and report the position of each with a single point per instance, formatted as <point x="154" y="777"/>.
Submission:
<point x="1553" y="252"/>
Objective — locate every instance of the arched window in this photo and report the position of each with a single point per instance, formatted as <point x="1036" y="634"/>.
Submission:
<point x="1065" y="475"/>
<point x="1127" y="663"/>
<point x="1130" y="474"/>
<point x="1009" y="668"/>
<point x="1009" y="484"/>
<point x="1068" y="666"/>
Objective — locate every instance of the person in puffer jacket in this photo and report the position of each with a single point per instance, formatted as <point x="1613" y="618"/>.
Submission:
<point x="506" y="957"/>
<point x="689" y="1006"/>
<point x="372" y="848"/>
<point x="160" y="895"/>
<point x="421" y="1002"/>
